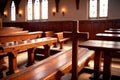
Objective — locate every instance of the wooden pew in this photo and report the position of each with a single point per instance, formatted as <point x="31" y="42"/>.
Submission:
<point x="12" y="50"/>
<point x="48" y="34"/>
<point x="19" y="37"/>
<point x="114" y="29"/>
<point x="15" y="38"/>
<point x="13" y="29"/>
<point x="61" y="39"/>
<point x="108" y="36"/>
<point x="53" y="67"/>
<point x="113" y="32"/>
<point x="2" y="67"/>
<point x="7" y="33"/>
<point x="106" y="47"/>
<point x="4" y="31"/>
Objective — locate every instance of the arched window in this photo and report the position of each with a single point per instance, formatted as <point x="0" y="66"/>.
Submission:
<point x="13" y="11"/>
<point x="37" y="10"/>
<point x="29" y="10"/>
<point x="44" y="9"/>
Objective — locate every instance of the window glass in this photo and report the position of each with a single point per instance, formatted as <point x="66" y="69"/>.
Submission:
<point x="93" y="8"/>
<point x="44" y="9"/>
<point x="98" y="8"/>
<point x="103" y="8"/>
<point x="13" y="11"/>
<point x="37" y="9"/>
<point x="29" y="10"/>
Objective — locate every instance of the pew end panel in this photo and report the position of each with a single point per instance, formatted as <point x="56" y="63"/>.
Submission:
<point x="48" y="34"/>
<point x="61" y="39"/>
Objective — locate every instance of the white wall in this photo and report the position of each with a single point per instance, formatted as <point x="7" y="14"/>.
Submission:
<point x="71" y="12"/>
<point x="114" y="9"/>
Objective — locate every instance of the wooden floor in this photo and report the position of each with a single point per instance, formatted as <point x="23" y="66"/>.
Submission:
<point x="84" y="74"/>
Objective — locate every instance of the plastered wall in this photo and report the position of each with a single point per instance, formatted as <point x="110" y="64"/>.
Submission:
<point x="71" y="13"/>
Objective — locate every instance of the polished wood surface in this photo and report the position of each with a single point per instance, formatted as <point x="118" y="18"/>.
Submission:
<point x="10" y="29"/>
<point x="111" y="31"/>
<point x="110" y="36"/>
<point x="114" y="29"/>
<point x="107" y="35"/>
<point x="91" y="26"/>
<point x="53" y="67"/>
<point x="61" y="39"/>
<point x="5" y="33"/>
<point x="81" y="35"/>
<point x="0" y="23"/>
<point x="12" y="50"/>
<point x="101" y="44"/>
<point x="107" y="47"/>
<point x="49" y="34"/>
<point x="18" y="37"/>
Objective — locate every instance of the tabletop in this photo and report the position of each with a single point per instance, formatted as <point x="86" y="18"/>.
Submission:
<point x="101" y="44"/>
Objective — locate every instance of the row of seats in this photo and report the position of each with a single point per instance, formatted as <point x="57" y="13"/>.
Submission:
<point x="59" y="35"/>
<point x="53" y="67"/>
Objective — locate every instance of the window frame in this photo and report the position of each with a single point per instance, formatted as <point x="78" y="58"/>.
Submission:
<point x="98" y="11"/>
<point x="33" y="13"/>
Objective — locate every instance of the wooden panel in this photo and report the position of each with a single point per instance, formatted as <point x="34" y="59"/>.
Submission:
<point x="56" y="26"/>
<point x="91" y="26"/>
<point x="0" y="23"/>
<point x="96" y="26"/>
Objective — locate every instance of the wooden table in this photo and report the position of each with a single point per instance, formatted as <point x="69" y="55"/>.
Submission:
<point x="106" y="36"/>
<point x="114" y="29"/>
<point x="113" y="32"/>
<point x="106" y="47"/>
<point x="13" y="48"/>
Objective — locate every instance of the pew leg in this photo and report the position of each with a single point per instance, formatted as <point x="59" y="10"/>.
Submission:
<point x="97" y="64"/>
<point x="31" y="59"/>
<point x="2" y="68"/>
<point x="1" y="74"/>
<point x="47" y="50"/>
<point x="61" y="45"/>
<point x="2" y="61"/>
<point x="55" y="45"/>
<point x="12" y="63"/>
<point x="107" y="66"/>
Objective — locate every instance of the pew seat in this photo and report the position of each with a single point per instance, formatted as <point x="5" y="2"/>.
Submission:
<point x="61" y="39"/>
<point x="53" y="67"/>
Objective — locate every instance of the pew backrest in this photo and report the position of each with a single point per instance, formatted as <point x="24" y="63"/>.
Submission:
<point x="4" y="29"/>
<point x="19" y="37"/>
<point x="49" y="33"/>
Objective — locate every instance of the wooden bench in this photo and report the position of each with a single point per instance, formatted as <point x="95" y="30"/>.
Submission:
<point x="53" y="67"/>
<point x="29" y="45"/>
<point x="19" y="37"/>
<point x="6" y="39"/>
<point x="61" y="39"/>
<point x="13" y="29"/>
